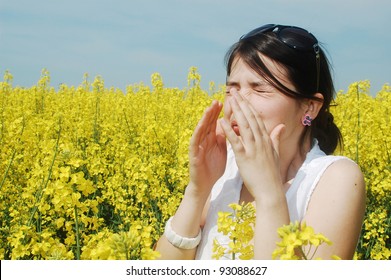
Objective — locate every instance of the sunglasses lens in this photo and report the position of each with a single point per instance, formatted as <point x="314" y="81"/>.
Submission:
<point x="259" y="30"/>
<point x="297" y="38"/>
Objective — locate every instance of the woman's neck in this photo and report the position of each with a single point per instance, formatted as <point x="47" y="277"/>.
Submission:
<point x="291" y="159"/>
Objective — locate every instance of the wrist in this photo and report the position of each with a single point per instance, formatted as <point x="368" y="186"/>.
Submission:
<point x="271" y="202"/>
<point x="267" y="193"/>
<point x="197" y="193"/>
<point x="187" y="219"/>
<point x="179" y="241"/>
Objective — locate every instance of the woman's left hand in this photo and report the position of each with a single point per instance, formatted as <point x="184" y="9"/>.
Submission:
<point x="256" y="152"/>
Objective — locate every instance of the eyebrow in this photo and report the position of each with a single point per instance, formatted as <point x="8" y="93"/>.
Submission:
<point x="252" y="84"/>
<point x="231" y="83"/>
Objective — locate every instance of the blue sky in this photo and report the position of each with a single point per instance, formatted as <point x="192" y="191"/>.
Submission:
<point x="126" y="41"/>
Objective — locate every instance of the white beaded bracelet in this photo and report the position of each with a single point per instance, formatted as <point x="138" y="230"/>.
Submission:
<point x="180" y="241"/>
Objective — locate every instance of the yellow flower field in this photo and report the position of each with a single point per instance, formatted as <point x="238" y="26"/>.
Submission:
<point x="90" y="172"/>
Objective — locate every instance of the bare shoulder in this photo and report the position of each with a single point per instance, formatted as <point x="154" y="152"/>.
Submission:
<point x="342" y="182"/>
<point x="337" y="207"/>
<point x="343" y="174"/>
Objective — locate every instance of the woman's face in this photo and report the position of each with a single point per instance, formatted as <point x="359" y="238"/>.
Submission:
<point x="273" y="106"/>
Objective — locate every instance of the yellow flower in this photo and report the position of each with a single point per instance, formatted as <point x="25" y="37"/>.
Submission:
<point x="238" y="226"/>
<point x="82" y="163"/>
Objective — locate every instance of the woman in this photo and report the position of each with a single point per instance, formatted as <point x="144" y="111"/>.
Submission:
<point x="280" y="136"/>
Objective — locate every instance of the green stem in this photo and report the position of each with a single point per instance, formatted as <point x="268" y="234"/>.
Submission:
<point x="316" y="249"/>
<point x="303" y="255"/>
<point x="77" y="234"/>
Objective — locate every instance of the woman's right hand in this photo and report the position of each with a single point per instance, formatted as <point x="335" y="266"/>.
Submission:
<point x="207" y="152"/>
<point x="207" y="159"/>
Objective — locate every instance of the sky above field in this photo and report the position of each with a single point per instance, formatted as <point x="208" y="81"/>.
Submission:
<point x="125" y="41"/>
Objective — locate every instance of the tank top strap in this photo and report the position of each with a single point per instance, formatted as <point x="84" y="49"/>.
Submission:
<point x="299" y="193"/>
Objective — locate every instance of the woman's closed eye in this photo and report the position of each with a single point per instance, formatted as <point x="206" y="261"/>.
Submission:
<point x="262" y="91"/>
<point x="261" y="88"/>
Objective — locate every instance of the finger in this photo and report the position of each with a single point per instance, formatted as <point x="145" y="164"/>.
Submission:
<point x="206" y="125"/>
<point x="240" y="117"/>
<point x="208" y="118"/>
<point x="216" y="109"/>
<point x="275" y="137"/>
<point x="258" y="124"/>
<point x="235" y="141"/>
<point x="247" y="118"/>
<point x="199" y="130"/>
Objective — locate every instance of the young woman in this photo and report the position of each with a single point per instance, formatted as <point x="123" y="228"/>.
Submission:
<point x="271" y="148"/>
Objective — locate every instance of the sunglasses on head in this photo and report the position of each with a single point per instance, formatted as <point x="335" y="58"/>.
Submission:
<point x="294" y="37"/>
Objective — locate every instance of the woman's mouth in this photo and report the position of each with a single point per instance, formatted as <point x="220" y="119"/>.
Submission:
<point x="235" y="127"/>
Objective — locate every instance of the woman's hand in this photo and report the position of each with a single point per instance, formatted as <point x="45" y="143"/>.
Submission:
<point x="256" y="151"/>
<point x="207" y="152"/>
<point x="207" y="158"/>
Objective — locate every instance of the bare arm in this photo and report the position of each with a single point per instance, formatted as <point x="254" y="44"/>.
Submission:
<point x="186" y="222"/>
<point x="337" y="209"/>
<point x="207" y="155"/>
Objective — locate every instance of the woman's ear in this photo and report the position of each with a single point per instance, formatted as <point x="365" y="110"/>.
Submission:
<point x="313" y="106"/>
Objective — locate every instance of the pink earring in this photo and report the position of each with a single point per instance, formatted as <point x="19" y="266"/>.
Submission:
<point x="307" y="120"/>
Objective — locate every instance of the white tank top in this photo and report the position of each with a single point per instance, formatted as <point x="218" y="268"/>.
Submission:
<point x="227" y="190"/>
